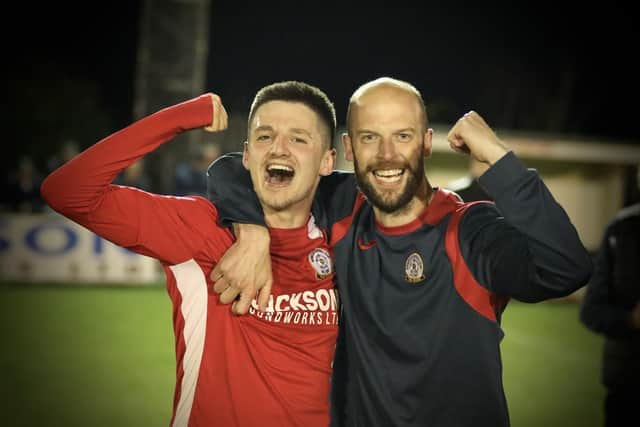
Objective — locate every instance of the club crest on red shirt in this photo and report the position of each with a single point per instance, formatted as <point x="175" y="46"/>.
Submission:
<point x="321" y="262"/>
<point x="414" y="268"/>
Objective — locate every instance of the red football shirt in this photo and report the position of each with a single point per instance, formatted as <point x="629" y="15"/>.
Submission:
<point x="270" y="369"/>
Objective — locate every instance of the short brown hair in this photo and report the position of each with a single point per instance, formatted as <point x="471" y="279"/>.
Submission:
<point x="304" y="93"/>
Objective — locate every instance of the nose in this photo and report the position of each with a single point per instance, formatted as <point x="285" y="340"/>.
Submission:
<point x="386" y="149"/>
<point x="280" y="145"/>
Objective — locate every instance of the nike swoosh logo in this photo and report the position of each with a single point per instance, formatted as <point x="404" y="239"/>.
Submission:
<point x="364" y="246"/>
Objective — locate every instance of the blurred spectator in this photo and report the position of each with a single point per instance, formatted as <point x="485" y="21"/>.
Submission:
<point x="611" y="307"/>
<point x="22" y="192"/>
<point x="67" y="151"/>
<point x="467" y="187"/>
<point x="191" y="176"/>
<point x="135" y="176"/>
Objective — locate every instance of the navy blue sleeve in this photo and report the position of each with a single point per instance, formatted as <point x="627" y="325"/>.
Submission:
<point x="524" y="246"/>
<point x="598" y="311"/>
<point x="230" y="188"/>
<point x="334" y="199"/>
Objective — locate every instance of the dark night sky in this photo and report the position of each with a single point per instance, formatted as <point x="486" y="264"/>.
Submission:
<point x="530" y="67"/>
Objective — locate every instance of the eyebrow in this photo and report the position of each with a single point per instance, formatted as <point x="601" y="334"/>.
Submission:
<point x="361" y="131"/>
<point x="268" y="128"/>
<point x="409" y="129"/>
<point x="300" y="130"/>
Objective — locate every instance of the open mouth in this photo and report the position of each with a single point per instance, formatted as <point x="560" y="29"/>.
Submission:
<point x="388" y="176"/>
<point x="279" y="175"/>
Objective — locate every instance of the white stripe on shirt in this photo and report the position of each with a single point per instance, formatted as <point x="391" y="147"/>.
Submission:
<point x="192" y="286"/>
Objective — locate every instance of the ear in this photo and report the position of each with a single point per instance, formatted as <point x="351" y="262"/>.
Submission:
<point x="428" y="142"/>
<point x="348" y="149"/>
<point x="328" y="162"/>
<point x="245" y="155"/>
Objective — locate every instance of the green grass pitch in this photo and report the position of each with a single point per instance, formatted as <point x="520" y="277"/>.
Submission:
<point x="103" y="356"/>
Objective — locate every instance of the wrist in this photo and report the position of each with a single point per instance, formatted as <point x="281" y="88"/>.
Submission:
<point x="251" y="232"/>
<point x="497" y="154"/>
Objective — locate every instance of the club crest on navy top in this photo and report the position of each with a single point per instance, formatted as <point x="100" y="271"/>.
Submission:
<point x="414" y="268"/>
<point x="321" y="262"/>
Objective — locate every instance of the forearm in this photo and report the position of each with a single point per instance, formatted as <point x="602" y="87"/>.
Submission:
<point x="542" y="249"/>
<point x="230" y="188"/>
<point x="82" y="191"/>
<point x="77" y="187"/>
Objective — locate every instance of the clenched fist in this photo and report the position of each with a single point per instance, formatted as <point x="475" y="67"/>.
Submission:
<point x="220" y="120"/>
<point x="472" y="135"/>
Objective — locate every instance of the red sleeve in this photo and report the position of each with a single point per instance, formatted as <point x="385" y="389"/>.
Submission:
<point x="165" y="227"/>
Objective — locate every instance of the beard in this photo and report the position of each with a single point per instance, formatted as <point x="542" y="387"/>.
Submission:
<point x="391" y="201"/>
